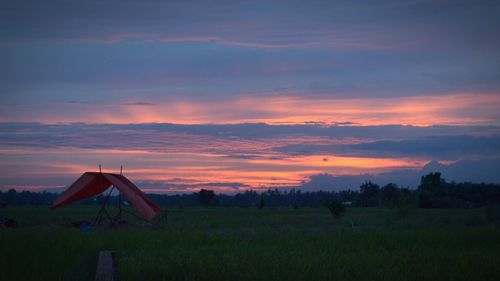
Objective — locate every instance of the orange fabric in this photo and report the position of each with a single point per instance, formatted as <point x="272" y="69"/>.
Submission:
<point x="91" y="183"/>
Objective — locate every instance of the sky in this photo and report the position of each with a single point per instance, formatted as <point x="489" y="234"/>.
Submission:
<point x="238" y="95"/>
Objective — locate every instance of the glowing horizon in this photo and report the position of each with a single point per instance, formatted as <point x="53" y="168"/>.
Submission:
<point x="186" y="161"/>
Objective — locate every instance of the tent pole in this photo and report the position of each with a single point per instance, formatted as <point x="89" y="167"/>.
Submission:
<point x="103" y="206"/>
<point x="138" y="217"/>
<point x="119" y="215"/>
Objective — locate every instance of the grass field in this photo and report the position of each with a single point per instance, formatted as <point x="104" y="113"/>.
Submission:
<point x="258" y="244"/>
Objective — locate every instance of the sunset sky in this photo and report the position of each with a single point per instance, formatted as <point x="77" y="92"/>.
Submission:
<point x="237" y="95"/>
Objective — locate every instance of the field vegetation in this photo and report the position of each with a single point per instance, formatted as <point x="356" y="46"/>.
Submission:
<point x="234" y="243"/>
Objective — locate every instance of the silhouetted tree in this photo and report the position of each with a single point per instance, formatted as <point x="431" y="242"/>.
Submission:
<point x="432" y="182"/>
<point x="11" y="196"/>
<point x="262" y="202"/>
<point x="369" y="195"/>
<point x="207" y="197"/>
<point x="431" y="191"/>
<point x="390" y="195"/>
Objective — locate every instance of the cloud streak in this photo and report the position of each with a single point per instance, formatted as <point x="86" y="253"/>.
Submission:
<point x="443" y="148"/>
<point x="175" y="158"/>
<point x="453" y="109"/>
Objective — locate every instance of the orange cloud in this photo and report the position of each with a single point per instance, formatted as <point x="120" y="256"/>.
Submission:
<point x="452" y="109"/>
<point x="263" y="171"/>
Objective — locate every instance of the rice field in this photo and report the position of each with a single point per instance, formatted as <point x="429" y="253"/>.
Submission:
<point x="257" y="244"/>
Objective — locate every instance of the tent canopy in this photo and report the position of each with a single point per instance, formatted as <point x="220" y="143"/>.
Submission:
<point x="92" y="183"/>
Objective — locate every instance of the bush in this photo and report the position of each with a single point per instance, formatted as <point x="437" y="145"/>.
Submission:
<point x="335" y="207"/>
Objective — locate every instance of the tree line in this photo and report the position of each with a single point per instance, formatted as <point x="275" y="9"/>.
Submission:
<point x="433" y="192"/>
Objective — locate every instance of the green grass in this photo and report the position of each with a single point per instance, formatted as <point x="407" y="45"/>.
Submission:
<point x="253" y="244"/>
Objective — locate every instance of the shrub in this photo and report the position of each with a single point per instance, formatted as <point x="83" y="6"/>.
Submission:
<point x="335" y="207"/>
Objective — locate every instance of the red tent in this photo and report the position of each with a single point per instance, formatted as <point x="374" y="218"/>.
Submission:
<point x="93" y="183"/>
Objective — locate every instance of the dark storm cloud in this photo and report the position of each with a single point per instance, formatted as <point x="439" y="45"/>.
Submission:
<point x="445" y="140"/>
<point x="443" y="147"/>
<point x="462" y="171"/>
<point x="436" y="142"/>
